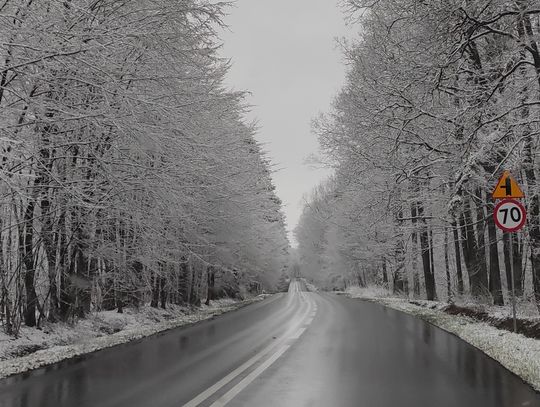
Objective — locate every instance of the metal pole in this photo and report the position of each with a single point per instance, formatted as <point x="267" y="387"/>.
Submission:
<point x="513" y="280"/>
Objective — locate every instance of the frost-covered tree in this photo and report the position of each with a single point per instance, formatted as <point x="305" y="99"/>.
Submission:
<point x="128" y="173"/>
<point x="440" y="98"/>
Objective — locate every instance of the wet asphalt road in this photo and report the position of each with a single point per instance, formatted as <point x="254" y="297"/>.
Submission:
<point x="295" y="349"/>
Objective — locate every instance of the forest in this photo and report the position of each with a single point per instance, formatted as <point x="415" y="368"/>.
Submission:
<point x="440" y="97"/>
<point x="129" y="174"/>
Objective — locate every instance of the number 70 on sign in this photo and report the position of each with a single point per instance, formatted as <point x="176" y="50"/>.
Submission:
<point x="510" y="215"/>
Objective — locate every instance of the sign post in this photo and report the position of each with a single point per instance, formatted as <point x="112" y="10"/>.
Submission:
<point x="513" y="282"/>
<point x="510" y="216"/>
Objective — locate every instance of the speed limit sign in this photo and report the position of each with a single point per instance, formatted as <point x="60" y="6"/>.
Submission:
<point x="510" y="215"/>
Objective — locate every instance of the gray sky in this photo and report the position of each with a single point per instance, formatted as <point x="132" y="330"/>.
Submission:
<point x="284" y="52"/>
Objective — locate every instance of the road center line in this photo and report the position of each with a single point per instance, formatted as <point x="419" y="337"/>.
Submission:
<point x="246" y="365"/>
<point x="227" y="397"/>
<point x="232" y="393"/>
<point x="298" y="333"/>
<point x="230" y="377"/>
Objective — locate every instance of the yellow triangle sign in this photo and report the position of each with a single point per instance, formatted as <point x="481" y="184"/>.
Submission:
<point x="507" y="187"/>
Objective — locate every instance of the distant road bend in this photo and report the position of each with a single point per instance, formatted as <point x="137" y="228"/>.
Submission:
<point x="293" y="349"/>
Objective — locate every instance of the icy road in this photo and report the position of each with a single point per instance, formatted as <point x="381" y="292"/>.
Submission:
<point x="295" y="349"/>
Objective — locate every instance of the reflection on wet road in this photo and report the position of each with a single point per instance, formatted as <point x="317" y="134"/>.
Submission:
<point x="294" y="349"/>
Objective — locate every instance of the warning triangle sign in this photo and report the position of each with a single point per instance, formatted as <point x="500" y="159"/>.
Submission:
<point x="507" y="187"/>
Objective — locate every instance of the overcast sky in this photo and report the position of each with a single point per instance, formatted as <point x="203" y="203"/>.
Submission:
<point x="284" y="52"/>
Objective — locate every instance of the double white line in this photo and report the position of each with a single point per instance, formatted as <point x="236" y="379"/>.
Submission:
<point x="273" y="352"/>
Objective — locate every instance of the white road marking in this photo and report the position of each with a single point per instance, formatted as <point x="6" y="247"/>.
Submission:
<point x="298" y="334"/>
<point x="230" y="377"/>
<point x="227" y="397"/>
<point x="285" y="342"/>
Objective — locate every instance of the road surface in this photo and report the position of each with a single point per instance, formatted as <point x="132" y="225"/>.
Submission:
<point x="293" y="349"/>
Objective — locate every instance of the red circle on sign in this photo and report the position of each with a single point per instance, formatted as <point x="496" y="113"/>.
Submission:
<point x="512" y="203"/>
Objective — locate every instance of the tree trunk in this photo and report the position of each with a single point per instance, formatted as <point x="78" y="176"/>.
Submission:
<point x="533" y="220"/>
<point x="481" y="246"/>
<point x="78" y="277"/>
<point x="399" y="278"/>
<point x="447" y="267"/>
<point x="211" y="276"/>
<point x="414" y="238"/>
<point x="183" y="281"/>
<point x="136" y="297"/>
<point x="163" y="292"/>
<point x="470" y="253"/>
<point x="400" y="275"/>
<point x="432" y="260"/>
<point x="384" y="272"/>
<point x="155" y="290"/>
<point x="48" y="234"/>
<point x="495" y="286"/>
<point x="194" y="297"/>
<point x="429" y="275"/>
<point x="26" y="248"/>
<point x="5" y="301"/>
<point x="66" y="295"/>
<point x="457" y="249"/>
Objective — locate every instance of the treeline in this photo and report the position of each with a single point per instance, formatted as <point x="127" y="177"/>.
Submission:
<point x="440" y="98"/>
<point x="128" y="173"/>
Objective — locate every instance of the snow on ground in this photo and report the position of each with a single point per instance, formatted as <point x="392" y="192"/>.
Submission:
<point x="56" y="342"/>
<point x="516" y="352"/>
<point x="370" y="292"/>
